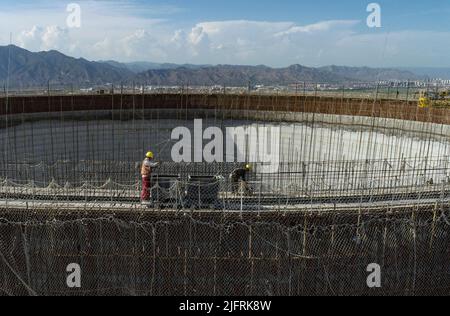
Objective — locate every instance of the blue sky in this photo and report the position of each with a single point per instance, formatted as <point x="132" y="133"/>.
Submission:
<point x="275" y="33"/>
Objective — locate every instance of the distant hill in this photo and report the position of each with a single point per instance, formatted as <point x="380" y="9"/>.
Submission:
<point x="28" y="69"/>
<point x="372" y="74"/>
<point x="239" y="76"/>
<point x="431" y="73"/>
<point x="243" y="75"/>
<point x="138" y="67"/>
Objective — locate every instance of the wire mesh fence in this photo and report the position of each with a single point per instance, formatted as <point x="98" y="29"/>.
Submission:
<point x="201" y="237"/>
<point x="348" y="192"/>
<point x="300" y="253"/>
<point x="352" y="182"/>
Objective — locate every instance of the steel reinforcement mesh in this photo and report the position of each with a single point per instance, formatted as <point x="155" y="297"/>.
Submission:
<point x="215" y="253"/>
<point x="342" y="200"/>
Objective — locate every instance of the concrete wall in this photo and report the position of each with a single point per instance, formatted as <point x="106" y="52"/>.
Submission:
<point x="326" y="105"/>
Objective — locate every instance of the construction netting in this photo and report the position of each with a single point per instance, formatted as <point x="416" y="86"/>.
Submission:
<point x="290" y="233"/>
<point x="223" y="253"/>
<point x="349" y="194"/>
<point x="369" y="183"/>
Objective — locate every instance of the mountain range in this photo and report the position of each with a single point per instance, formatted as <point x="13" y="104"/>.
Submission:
<point x="36" y="69"/>
<point x="138" y="67"/>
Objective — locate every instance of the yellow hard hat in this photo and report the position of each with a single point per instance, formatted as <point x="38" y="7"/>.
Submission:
<point x="248" y="167"/>
<point x="149" y="155"/>
<point x="424" y="102"/>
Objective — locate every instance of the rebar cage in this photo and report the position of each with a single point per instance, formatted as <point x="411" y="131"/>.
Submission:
<point x="358" y="182"/>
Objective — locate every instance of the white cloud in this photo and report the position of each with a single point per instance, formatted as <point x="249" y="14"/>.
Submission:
<point x="99" y="19"/>
<point x="55" y="37"/>
<point x="321" y="27"/>
<point x="48" y="38"/>
<point x="255" y="42"/>
<point x="31" y="39"/>
<point x="120" y="30"/>
<point x="206" y="42"/>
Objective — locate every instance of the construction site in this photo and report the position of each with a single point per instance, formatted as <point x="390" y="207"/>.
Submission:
<point x="352" y="182"/>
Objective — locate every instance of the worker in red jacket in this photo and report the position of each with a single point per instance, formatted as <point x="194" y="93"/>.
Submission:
<point x="146" y="172"/>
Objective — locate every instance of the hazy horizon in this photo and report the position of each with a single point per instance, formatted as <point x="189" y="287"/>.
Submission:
<point x="407" y="68"/>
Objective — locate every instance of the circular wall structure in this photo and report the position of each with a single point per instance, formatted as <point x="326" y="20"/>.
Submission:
<point x="300" y="157"/>
<point x="356" y="183"/>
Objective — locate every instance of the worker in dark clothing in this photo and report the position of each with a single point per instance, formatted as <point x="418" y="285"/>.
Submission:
<point x="239" y="178"/>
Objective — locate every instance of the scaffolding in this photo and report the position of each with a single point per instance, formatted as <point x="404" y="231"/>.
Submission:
<point x="357" y="182"/>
